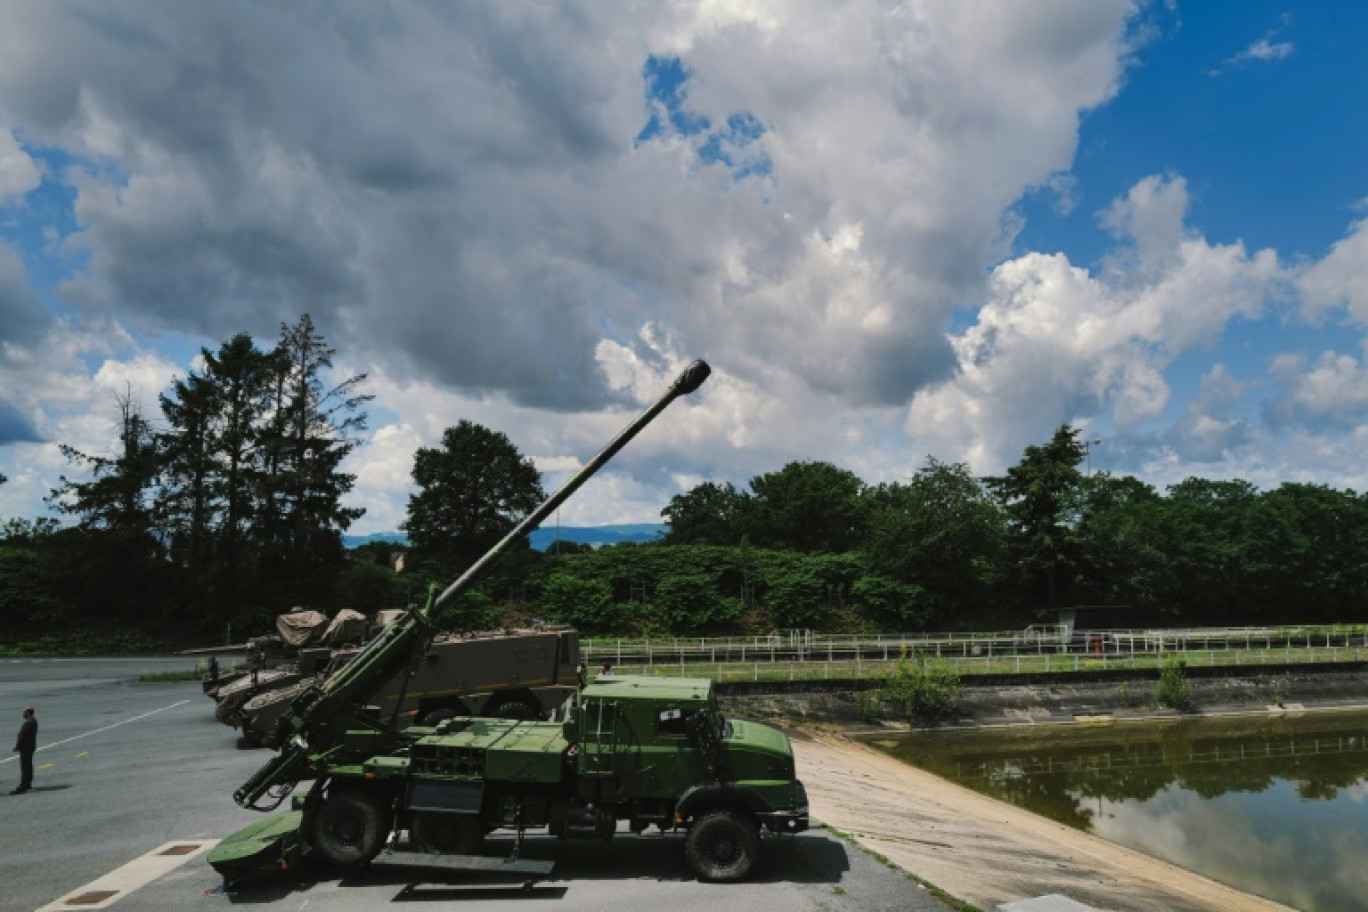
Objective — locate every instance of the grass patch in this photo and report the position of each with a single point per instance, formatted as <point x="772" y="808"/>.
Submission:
<point x="83" y="643"/>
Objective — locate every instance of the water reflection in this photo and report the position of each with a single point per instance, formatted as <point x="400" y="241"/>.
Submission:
<point x="1271" y="805"/>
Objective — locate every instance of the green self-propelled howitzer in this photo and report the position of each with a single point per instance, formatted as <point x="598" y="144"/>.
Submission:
<point x="643" y="750"/>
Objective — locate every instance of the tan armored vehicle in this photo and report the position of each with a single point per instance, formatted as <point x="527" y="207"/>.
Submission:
<point x="295" y="630"/>
<point x="525" y="673"/>
<point x="302" y="647"/>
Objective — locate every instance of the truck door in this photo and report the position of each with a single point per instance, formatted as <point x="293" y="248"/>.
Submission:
<point x="674" y="759"/>
<point x="603" y="742"/>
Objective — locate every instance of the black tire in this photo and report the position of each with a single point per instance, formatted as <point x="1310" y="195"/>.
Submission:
<point x="722" y="846"/>
<point x="350" y="828"/>
<point x="514" y="708"/>
<point x="447" y="834"/>
<point x="440" y="714"/>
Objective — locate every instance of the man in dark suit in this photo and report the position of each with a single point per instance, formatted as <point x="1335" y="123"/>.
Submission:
<point x="24" y="746"/>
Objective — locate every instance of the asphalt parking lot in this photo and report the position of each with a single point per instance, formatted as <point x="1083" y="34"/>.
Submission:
<point x="128" y="770"/>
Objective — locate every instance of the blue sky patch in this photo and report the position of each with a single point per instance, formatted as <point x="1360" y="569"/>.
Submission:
<point x="735" y="145"/>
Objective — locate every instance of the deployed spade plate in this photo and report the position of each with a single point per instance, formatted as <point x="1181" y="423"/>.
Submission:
<point x="482" y="864"/>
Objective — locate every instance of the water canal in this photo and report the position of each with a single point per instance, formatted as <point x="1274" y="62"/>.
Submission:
<point x="1272" y="805"/>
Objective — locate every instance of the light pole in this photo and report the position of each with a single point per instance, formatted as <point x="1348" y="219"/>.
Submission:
<point x="1087" y="448"/>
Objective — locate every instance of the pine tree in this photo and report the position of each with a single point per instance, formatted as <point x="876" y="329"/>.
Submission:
<point x="310" y="431"/>
<point x="212" y="453"/>
<point x="120" y="495"/>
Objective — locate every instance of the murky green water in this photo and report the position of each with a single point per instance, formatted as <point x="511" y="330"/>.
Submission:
<point x="1275" y="806"/>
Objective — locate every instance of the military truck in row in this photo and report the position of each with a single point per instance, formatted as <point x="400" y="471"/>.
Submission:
<point x="636" y="749"/>
<point x="515" y="673"/>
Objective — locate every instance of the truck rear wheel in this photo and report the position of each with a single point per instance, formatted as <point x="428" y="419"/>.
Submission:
<point x="447" y="834"/>
<point x="350" y="828"/>
<point x="433" y="717"/>
<point x="514" y="708"/>
<point x="722" y="846"/>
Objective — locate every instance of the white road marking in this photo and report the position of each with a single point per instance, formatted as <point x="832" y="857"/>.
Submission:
<point x="136" y="874"/>
<point x="97" y="731"/>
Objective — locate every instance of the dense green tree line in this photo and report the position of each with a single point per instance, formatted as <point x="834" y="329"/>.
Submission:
<point x="224" y="506"/>
<point x="227" y="507"/>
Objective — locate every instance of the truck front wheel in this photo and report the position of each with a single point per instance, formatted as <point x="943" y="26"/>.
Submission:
<point x="350" y="828"/>
<point x="722" y="846"/>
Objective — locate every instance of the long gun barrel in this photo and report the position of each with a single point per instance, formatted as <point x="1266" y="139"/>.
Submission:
<point x="320" y="716"/>
<point x="686" y="383"/>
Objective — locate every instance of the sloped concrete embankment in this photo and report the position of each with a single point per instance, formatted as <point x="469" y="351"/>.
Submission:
<point x="1069" y="697"/>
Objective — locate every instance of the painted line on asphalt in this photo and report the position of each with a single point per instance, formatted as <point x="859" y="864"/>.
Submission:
<point x="114" y="886"/>
<point x="99" y="730"/>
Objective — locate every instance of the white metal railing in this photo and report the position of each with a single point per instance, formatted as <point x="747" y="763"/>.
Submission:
<point x="995" y="665"/>
<point x="1101" y="645"/>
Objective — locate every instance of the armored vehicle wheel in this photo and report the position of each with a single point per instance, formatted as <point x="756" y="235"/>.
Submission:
<point x="440" y="714"/>
<point x="447" y="834"/>
<point x="515" y="708"/>
<point x="350" y="828"/>
<point x="722" y="846"/>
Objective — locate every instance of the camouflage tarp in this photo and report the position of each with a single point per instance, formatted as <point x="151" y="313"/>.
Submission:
<point x="300" y="628"/>
<point x="347" y="626"/>
<point x="388" y="616"/>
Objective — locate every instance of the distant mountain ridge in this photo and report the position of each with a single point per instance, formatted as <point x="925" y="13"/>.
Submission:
<point x="542" y="538"/>
<point x="598" y="535"/>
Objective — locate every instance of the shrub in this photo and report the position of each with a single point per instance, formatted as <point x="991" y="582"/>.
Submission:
<point x="474" y="609"/>
<point x="923" y="689"/>
<point x="692" y="603"/>
<point x="1174" y="690"/>
<point x="902" y="603"/>
<point x="586" y="603"/>
<point x="795" y="598"/>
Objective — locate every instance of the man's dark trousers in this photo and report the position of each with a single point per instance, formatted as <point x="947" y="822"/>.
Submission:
<point x="26" y="744"/>
<point x="25" y="769"/>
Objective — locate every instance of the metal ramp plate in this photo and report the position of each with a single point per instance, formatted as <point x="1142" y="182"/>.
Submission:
<point x="479" y="864"/>
<point x="1052" y="902"/>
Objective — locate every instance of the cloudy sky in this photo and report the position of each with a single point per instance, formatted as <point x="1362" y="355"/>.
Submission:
<point x="895" y="230"/>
